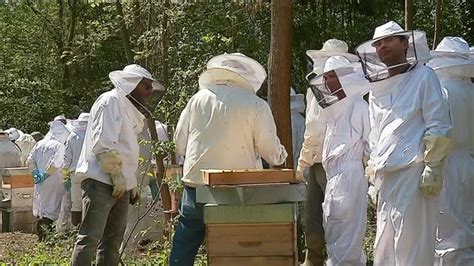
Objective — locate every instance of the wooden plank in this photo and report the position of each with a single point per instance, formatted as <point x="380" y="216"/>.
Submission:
<point x="255" y="261"/>
<point x="19" y="177"/>
<point x="229" y="240"/>
<point x="21" y="181"/>
<point x="250" y="176"/>
<point x="269" y="213"/>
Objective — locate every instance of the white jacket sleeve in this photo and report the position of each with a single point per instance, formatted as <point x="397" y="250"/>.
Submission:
<point x="435" y="107"/>
<point x="311" y="152"/>
<point x="69" y="153"/>
<point x="267" y="143"/>
<point x="361" y="124"/>
<point x="30" y="161"/>
<point x="106" y="125"/>
<point x="182" y="131"/>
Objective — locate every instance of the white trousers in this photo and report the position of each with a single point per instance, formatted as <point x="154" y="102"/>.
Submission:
<point x="345" y="214"/>
<point x="47" y="197"/>
<point x="455" y="234"/>
<point x="406" y="220"/>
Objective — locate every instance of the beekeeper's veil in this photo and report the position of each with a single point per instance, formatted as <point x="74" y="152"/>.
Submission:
<point x="418" y="50"/>
<point x="126" y="80"/>
<point x="351" y="83"/>
<point x="233" y="69"/>
<point x="453" y="58"/>
<point x="331" y="47"/>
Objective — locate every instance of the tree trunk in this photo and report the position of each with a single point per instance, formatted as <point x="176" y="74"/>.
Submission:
<point x="279" y="71"/>
<point x="164" y="45"/>
<point x="160" y="171"/>
<point x="124" y="33"/>
<point x="409" y="9"/>
<point x="437" y="32"/>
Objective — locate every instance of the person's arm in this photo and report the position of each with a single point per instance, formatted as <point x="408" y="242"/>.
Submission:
<point x="105" y="127"/>
<point x="311" y="151"/>
<point x="435" y="107"/>
<point x="69" y="152"/>
<point x="267" y="143"/>
<point x="182" y="130"/>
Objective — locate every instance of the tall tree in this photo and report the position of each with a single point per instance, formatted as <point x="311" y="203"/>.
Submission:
<point x="409" y="9"/>
<point x="124" y="32"/>
<point x="437" y="33"/>
<point x="279" y="71"/>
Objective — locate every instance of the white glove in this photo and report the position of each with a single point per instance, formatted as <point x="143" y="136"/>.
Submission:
<point x="120" y="185"/>
<point x="299" y="176"/>
<point x="369" y="171"/>
<point x="52" y="170"/>
<point x="436" y="149"/>
<point x="111" y="164"/>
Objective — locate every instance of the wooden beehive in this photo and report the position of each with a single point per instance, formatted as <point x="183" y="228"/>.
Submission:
<point x="252" y="244"/>
<point x="16" y="178"/>
<point x="250" y="176"/>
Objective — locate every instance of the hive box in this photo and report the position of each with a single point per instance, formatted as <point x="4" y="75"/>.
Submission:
<point x="18" y="220"/>
<point x="251" y="194"/>
<point x="251" y="244"/>
<point x="271" y="213"/>
<point x="19" y="177"/>
<point x="251" y="176"/>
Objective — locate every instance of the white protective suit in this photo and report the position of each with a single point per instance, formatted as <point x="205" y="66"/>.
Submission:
<point x="455" y="234"/>
<point x="403" y="109"/>
<point x="48" y="156"/>
<point x="315" y="129"/>
<point x="114" y="125"/>
<point x="24" y="141"/>
<point x="10" y="154"/>
<point x="345" y="145"/>
<point x="225" y="125"/>
<point x="73" y="151"/>
<point x="297" y="107"/>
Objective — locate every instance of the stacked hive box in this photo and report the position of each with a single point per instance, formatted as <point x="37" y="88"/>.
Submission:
<point x="250" y="216"/>
<point x="16" y="200"/>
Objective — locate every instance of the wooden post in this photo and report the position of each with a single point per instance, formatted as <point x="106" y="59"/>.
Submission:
<point x="279" y="71"/>
<point x="160" y="172"/>
<point x="409" y="9"/>
<point x="437" y="33"/>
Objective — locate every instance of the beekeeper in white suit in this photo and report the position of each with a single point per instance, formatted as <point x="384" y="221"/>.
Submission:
<point x="311" y="154"/>
<point x="339" y="91"/>
<point x="455" y="234"/>
<point x="297" y="107"/>
<point x="73" y="150"/>
<point x="45" y="162"/>
<point x="24" y="141"/>
<point x="409" y="118"/>
<point x="108" y="163"/>
<point x="225" y="125"/>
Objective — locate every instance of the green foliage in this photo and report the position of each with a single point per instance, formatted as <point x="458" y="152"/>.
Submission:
<point x="44" y="72"/>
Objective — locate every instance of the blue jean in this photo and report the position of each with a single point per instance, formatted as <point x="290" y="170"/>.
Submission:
<point x="190" y="231"/>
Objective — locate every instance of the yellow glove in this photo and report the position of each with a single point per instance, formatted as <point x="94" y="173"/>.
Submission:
<point x="111" y="164"/>
<point x="66" y="172"/>
<point x="436" y="149"/>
